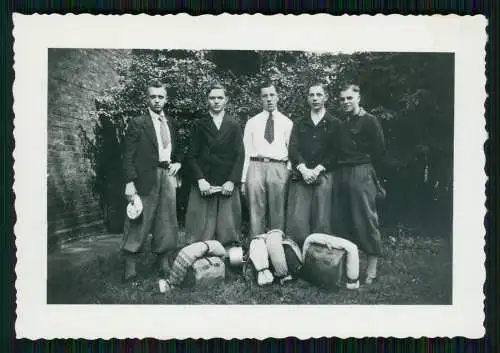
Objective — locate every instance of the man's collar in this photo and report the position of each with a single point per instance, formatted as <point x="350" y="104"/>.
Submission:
<point x="320" y="114"/>
<point x="155" y="115"/>
<point x="361" y="112"/>
<point x="218" y="116"/>
<point x="274" y="113"/>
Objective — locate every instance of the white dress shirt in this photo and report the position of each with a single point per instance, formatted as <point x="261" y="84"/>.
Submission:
<point x="257" y="146"/>
<point x="164" y="154"/>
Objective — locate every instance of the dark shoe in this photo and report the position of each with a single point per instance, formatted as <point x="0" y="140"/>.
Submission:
<point x="164" y="265"/>
<point x="130" y="272"/>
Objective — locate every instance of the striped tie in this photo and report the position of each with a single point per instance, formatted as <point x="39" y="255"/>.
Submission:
<point x="165" y="136"/>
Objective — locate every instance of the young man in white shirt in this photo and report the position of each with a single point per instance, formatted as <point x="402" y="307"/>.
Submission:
<point x="266" y="170"/>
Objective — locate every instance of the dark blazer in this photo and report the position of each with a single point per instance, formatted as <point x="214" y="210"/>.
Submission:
<point x="216" y="155"/>
<point x="140" y="159"/>
<point x="313" y="145"/>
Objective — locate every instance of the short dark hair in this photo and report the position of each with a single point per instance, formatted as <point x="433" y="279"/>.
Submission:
<point x="352" y="86"/>
<point x="265" y="84"/>
<point x="318" y="84"/>
<point x="156" y="84"/>
<point x="216" y="85"/>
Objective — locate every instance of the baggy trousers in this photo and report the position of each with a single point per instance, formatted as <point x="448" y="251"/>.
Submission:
<point x="266" y="194"/>
<point x="159" y="217"/>
<point x="213" y="217"/>
<point x="309" y="208"/>
<point x="354" y="212"/>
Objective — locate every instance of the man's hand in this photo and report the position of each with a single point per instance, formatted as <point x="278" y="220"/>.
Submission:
<point x="243" y="189"/>
<point x="174" y="168"/>
<point x="307" y="174"/>
<point x="204" y="187"/>
<point x="227" y="188"/>
<point x="130" y="191"/>
<point x="317" y="171"/>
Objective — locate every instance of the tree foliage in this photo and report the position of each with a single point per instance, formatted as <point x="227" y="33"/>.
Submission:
<point x="411" y="93"/>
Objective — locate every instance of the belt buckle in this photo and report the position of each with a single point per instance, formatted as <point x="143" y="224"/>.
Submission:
<point x="265" y="159"/>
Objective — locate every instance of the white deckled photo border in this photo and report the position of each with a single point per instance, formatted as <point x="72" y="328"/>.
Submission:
<point x="463" y="35"/>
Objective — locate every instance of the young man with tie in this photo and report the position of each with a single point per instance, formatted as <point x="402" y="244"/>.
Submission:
<point x="312" y="153"/>
<point x="215" y="158"/>
<point x="361" y="152"/>
<point x="151" y="162"/>
<point x="266" y="171"/>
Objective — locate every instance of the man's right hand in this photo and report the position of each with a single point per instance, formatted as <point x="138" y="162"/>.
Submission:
<point x="204" y="187"/>
<point x="307" y="174"/>
<point x="130" y="191"/>
<point x="243" y="189"/>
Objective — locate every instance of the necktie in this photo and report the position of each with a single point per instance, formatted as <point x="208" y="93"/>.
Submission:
<point x="165" y="136"/>
<point x="269" y="130"/>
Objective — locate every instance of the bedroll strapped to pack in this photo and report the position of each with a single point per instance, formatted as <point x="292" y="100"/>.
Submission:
<point x="274" y="244"/>
<point x="329" y="260"/>
<point x="190" y="255"/>
<point x="272" y="251"/>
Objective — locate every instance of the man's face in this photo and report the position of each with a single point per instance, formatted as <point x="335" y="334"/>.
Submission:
<point x="217" y="100"/>
<point x="157" y="97"/>
<point x="316" y="98"/>
<point x="349" y="99"/>
<point x="269" y="98"/>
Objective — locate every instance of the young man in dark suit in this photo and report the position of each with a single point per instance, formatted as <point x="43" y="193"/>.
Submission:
<point x="151" y="162"/>
<point x="215" y="158"/>
<point x="312" y="153"/>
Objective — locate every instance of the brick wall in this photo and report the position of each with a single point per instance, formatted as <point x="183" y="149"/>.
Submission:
<point x="75" y="78"/>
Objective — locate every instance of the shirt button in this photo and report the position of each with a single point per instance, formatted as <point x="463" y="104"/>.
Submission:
<point x="314" y="136"/>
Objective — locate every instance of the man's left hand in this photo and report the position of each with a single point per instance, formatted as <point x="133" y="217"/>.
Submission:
<point x="227" y="188"/>
<point x="174" y="168"/>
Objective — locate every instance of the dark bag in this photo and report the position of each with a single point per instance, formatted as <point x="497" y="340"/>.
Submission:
<point x="324" y="267"/>
<point x="206" y="272"/>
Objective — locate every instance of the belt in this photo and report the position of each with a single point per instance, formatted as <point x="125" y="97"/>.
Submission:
<point x="163" y="165"/>
<point x="267" y="160"/>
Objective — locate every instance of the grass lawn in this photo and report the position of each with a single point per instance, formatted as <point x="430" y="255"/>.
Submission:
<point x="415" y="269"/>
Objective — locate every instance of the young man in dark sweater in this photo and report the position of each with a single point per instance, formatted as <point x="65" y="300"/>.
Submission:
<point x="361" y="152"/>
<point x="312" y="155"/>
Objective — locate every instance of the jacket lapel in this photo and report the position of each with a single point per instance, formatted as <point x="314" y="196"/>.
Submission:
<point x="225" y="127"/>
<point x="150" y="130"/>
<point x="209" y="127"/>
<point x="172" y="132"/>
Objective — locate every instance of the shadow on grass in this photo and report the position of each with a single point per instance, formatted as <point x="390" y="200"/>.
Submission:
<point x="414" y="270"/>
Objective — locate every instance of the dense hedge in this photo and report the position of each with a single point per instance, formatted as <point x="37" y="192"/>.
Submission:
<point x="411" y="93"/>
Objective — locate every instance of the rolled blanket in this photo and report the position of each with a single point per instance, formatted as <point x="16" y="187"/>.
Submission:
<point x="189" y="254"/>
<point x="260" y="260"/>
<point x="258" y="254"/>
<point x="274" y="244"/>
<point x="334" y="242"/>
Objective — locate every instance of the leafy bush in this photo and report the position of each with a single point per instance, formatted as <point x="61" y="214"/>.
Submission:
<point x="411" y="93"/>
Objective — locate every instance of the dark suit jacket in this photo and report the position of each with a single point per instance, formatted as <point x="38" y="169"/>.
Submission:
<point x="216" y="155"/>
<point x="141" y="152"/>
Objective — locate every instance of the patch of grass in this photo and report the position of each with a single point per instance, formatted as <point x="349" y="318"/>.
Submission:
<point x="415" y="269"/>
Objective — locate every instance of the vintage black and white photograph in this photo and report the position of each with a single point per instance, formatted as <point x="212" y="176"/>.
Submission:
<point x="319" y="177"/>
<point x="281" y="178"/>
